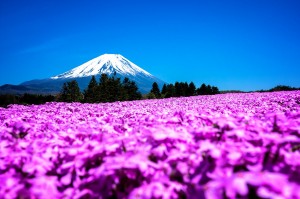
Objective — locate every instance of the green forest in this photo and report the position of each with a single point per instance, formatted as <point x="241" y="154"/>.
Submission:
<point x="111" y="89"/>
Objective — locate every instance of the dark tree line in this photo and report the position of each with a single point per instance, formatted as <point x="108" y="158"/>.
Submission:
<point x="279" y="88"/>
<point x="25" y="99"/>
<point x="181" y="89"/>
<point x="207" y="90"/>
<point x="283" y="88"/>
<point x="109" y="89"/>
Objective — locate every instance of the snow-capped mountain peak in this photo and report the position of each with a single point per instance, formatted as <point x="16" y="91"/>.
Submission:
<point x="108" y="64"/>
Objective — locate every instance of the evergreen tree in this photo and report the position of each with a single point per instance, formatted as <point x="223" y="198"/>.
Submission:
<point x="103" y="88"/>
<point x="90" y="94"/>
<point x="76" y="95"/>
<point x="170" y="91"/>
<point x="155" y="90"/>
<point x="70" y="92"/>
<point x="177" y="89"/>
<point x="133" y="92"/>
<point x="111" y="89"/>
<point x="115" y="89"/>
<point x="191" y="89"/>
<point x="164" y="90"/>
<point x="181" y="89"/>
<point x="208" y="90"/>
<point x="64" y="95"/>
<point x="215" y="90"/>
<point x="126" y="85"/>
<point x="184" y="89"/>
<point x="202" y="90"/>
<point x="130" y="90"/>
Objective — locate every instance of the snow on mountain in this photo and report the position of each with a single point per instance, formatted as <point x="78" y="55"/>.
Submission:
<point x="108" y="64"/>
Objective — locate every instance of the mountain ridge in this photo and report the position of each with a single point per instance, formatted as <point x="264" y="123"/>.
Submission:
<point x="109" y="64"/>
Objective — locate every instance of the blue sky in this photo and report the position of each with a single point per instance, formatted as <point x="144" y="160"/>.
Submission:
<point x="232" y="44"/>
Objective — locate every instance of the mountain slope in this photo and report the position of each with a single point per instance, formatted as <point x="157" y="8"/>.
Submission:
<point x="107" y="63"/>
<point x="110" y="64"/>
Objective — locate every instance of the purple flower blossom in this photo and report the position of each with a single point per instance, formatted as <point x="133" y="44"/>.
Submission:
<point x="233" y="145"/>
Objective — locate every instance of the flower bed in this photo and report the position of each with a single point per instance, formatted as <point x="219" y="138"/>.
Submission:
<point x="221" y="146"/>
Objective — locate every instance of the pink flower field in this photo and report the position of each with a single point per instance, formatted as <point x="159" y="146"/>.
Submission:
<point x="221" y="146"/>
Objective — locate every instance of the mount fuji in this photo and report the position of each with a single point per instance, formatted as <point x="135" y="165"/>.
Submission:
<point x="110" y="64"/>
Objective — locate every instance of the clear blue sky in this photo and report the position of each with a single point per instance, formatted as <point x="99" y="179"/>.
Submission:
<point x="232" y="44"/>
